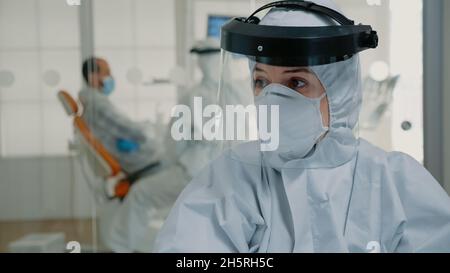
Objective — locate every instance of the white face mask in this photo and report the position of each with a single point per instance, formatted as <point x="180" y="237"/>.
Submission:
<point x="301" y="125"/>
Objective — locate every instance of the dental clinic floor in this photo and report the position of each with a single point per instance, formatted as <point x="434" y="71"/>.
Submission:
<point x="75" y="230"/>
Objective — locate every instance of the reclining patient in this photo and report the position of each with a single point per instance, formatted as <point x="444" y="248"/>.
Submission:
<point x="123" y="138"/>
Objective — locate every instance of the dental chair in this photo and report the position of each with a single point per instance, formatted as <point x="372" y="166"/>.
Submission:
<point x="102" y="163"/>
<point x="106" y="178"/>
<point x="110" y="185"/>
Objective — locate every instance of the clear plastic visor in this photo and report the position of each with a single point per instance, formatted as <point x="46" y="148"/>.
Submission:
<point x="269" y="111"/>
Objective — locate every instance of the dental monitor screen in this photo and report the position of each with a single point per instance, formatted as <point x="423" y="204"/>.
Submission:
<point x="215" y="22"/>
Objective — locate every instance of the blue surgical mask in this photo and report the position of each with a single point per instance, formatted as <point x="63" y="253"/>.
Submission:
<point x="108" y="85"/>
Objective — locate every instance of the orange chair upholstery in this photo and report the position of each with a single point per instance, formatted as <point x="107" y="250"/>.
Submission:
<point x="81" y="126"/>
<point x="69" y="104"/>
<point x="111" y="169"/>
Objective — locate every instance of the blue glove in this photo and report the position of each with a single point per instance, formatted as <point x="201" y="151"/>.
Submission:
<point x="127" y="145"/>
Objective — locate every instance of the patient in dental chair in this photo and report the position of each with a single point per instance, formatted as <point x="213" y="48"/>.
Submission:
<point x="125" y="139"/>
<point x="131" y="224"/>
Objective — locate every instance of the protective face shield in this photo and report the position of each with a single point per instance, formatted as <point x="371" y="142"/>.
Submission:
<point x="108" y="85"/>
<point x="299" y="85"/>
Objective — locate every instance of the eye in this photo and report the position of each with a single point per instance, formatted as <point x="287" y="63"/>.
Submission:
<point x="260" y="83"/>
<point x="297" y="84"/>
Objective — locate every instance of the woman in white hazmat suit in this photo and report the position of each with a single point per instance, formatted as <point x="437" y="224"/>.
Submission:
<point x="323" y="189"/>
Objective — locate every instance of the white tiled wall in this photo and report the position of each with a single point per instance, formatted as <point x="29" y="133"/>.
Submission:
<point x="20" y="16"/>
<point x="58" y="24"/>
<point x="155" y="23"/>
<point x="24" y="66"/>
<point x="39" y="40"/>
<point x="138" y="36"/>
<point x="43" y="188"/>
<point x="22" y="128"/>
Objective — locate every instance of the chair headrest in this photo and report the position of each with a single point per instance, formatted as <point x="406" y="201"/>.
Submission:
<point x="68" y="102"/>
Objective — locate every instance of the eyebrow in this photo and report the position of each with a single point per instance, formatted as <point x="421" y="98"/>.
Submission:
<point x="259" y="69"/>
<point x="295" y="70"/>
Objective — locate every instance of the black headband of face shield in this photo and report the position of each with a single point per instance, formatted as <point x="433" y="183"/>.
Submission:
<point x="204" y="51"/>
<point x="297" y="46"/>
